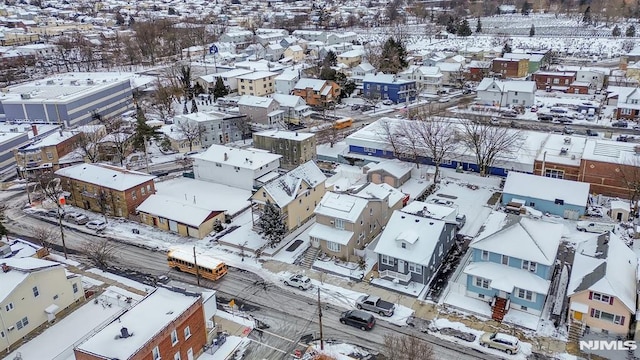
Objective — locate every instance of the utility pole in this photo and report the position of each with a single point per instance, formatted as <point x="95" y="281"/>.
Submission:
<point x="195" y="263"/>
<point x="24" y="176"/>
<point x="320" y="321"/>
<point x="146" y="153"/>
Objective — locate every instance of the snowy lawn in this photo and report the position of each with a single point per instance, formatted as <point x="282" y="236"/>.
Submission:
<point x="347" y="269"/>
<point x="412" y="289"/>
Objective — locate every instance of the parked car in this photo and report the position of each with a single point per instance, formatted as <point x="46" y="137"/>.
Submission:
<point x="509" y="114"/>
<point x="76" y="218"/>
<point x="96" y="225"/>
<point x="375" y="304"/>
<point x="300" y="281"/>
<point x="387" y="102"/>
<point x="494" y="121"/>
<point x="461" y="219"/>
<point x="620" y="124"/>
<point x="500" y="341"/>
<point x="545" y="117"/>
<point x="438" y="201"/>
<point x="53" y="213"/>
<point x="355" y="107"/>
<point x="595" y="227"/>
<point x="624" y="138"/>
<point x="591" y="133"/>
<point x="567" y="130"/>
<point x="356" y="318"/>
<point x="565" y="120"/>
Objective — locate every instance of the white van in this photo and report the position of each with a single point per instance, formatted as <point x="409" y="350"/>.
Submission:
<point x="595" y="227"/>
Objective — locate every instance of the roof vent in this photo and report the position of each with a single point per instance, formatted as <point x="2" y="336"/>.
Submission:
<point x="567" y="140"/>
<point x="124" y="333"/>
<point x="402" y="217"/>
<point x="5" y="268"/>
<point x="417" y="220"/>
<point x="226" y="156"/>
<point x="564" y="151"/>
<point x="431" y="223"/>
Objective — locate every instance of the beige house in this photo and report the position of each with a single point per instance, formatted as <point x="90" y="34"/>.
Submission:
<point x="347" y="222"/>
<point x="295" y="53"/>
<point x="351" y="58"/>
<point x="296" y="148"/>
<point x="258" y="83"/>
<point x="602" y="286"/>
<point x="296" y="194"/>
<point x="393" y="172"/>
<point x="33" y="291"/>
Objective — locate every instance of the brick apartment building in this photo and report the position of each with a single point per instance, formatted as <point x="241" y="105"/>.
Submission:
<point x="317" y="92"/>
<point x="98" y="186"/>
<point x="44" y="155"/>
<point x="554" y="80"/>
<point x="510" y="68"/>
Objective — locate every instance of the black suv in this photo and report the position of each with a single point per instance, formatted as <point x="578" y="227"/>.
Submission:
<point x="360" y="319"/>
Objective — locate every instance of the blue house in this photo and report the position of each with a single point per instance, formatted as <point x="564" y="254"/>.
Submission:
<point x="560" y="197"/>
<point x="512" y="263"/>
<point x="388" y="87"/>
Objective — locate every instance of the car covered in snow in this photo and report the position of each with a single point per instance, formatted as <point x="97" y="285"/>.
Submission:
<point x="438" y="201"/>
<point x="595" y="227"/>
<point x="500" y="341"/>
<point x="96" y="225"/>
<point x="300" y="281"/>
<point x="76" y="218"/>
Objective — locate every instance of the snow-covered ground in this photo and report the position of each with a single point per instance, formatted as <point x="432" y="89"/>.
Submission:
<point x="122" y="280"/>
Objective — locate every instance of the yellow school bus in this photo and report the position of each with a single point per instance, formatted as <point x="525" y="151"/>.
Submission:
<point x="343" y="123"/>
<point x="209" y="268"/>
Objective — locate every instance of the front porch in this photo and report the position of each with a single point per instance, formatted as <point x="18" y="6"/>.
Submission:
<point x="395" y="276"/>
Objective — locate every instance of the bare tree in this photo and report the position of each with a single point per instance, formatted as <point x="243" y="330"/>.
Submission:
<point x="438" y="136"/>
<point x="407" y="347"/>
<point x="87" y="144"/>
<point x="45" y="235"/>
<point x="630" y="177"/>
<point x="404" y="140"/>
<point x="102" y="252"/>
<point x="330" y="136"/>
<point x="164" y="97"/>
<point x="487" y="142"/>
<point x="191" y="132"/>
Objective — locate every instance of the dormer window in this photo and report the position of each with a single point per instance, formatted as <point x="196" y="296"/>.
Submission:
<point x="404" y="245"/>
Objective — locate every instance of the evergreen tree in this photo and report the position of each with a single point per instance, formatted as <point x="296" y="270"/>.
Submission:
<point x="526" y="8"/>
<point x="271" y="225"/>
<point x="393" y="57"/>
<point x="506" y="48"/>
<point x="327" y="73"/>
<point x="331" y="59"/>
<point x="143" y="130"/>
<point x="464" y="29"/>
<point x="616" y="31"/>
<point x="219" y="90"/>
<point x="194" y="106"/>
<point x="478" y="26"/>
<point x="452" y="26"/>
<point x="532" y="31"/>
<point x="3" y="230"/>
<point x="586" y="18"/>
<point x="347" y="88"/>
<point x="631" y="31"/>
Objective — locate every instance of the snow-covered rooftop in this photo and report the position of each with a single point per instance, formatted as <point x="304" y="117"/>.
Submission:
<point x="610" y="151"/>
<point x="147" y="318"/>
<point x="52" y="139"/>
<point x="562" y="149"/>
<point x="256" y="75"/>
<point x="284" y="189"/>
<point x="257" y="101"/>
<point x="315" y="84"/>
<point x="381" y="191"/>
<point x="19" y="269"/>
<point x="341" y="206"/>
<point x="108" y="176"/>
<point x="546" y="188"/>
<point x="433" y="211"/>
<point x="247" y="159"/>
<point x="394" y="167"/>
<point x="282" y="134"/>
<point x="506" y="278"/>
<point x="176" y="210"/>
<point x="330" y="233"/>
<point x="421" y="234"/>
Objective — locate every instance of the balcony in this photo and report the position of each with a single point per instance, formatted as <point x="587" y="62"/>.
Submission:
<point x="395" y="275"/>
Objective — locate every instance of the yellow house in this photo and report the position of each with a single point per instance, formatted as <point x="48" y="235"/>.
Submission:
<point x="169" y="214"/>
<point x="633" y="71"/>
<point x="258" y="83"/>
<point x="295" y="53"/>
<point x="602" y="286"/>
<point x="351" y="58"/>
<point x="53" y="29"/>
<point x="296" y="194"/>
<point x="33" y="292"/>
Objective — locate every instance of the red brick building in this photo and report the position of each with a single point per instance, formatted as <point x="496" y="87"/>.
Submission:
<point x="477" y="70"/>
<point x="96" y="186"/>
<point x="554" y="80"/>
<point x="165" y="324"/>
<point x="579" y="87"/>
<point x="510" y="68"/>
<point x="44" y="155"/>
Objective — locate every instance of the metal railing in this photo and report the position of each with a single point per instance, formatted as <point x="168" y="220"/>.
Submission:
<point x="395" y="275"/>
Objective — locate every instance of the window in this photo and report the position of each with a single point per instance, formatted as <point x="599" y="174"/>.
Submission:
<point x="529" y="265"/>
<point x="404" y="245"/>
<point x="386" y="260"/>
<point x="625" y="111"/>
<point x="482" y="283"/>
<point x="332" y="246"/>
<point x="415" y="268"/>
<point x="525" y="294"/>
<point x="556" y="81"/>
<point x="134" y="195"/>
<point x="339" y="223"/>
<point x="156" y="353"/>
<point x="485" y="255"/>
<point x="174" y="337"/>
<point x="55" y="297"/>
<point x="601" y="297"/>
<point x="523" y="308"/>
<point x="441" y="250"/>
<point x="142" y="191"/>
<point x="505" y="260"/>
<point x="177" y="356"/>
<point x="369" y="150"/>
<point x="35" y="291"/>
<point x="49" y="155"/>
<point x="162" y="220"/>
<point x="187" y="333"/>
<point x="553" y="173"/>
<point x="616" y="319"/>
<point x="75" y="288"/>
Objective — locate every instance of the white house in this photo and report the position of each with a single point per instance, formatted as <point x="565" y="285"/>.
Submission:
<point x="428" y="78"/>
<point x="219" y="128"/>
<point x="286" y="82"/>
<point x="229" y="78"/>
<point x="342" y="37"/>
<point x="451" y="73"/>
<point x="506" y="93"/>
<point x="358" y="73"/>
<point x="295" y="109"/>
<point x="234" y="167"/>
<point x="311" y="35"/>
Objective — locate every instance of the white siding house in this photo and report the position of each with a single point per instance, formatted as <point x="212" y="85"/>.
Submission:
<point x="506" y="93"/>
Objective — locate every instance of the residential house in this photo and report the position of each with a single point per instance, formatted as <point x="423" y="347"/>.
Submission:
<point x="512" y="263"/>
<point x="602" y="286"/>
<point x="311" y="35"/>
<point x="44" y="154"/>
<point x="105" y="189"/>
<point x="580" y="87"/>
<point x="240" y="38"/>
<point x="346" y="223"/>
<point x="166" y="324"/>
<point x="510" y="68"/>
<point x="316" y="92"/>
<point x="350" y="58"/>
<point x="295" y="53"/>
<point x="554" y="80"/>
<point x="626" y="101"/>
<point x="116" y="146"/>
<point x="555" y="196"/>
<point x="265" y="39"/>
<point x="358" y="73"/>
<point x="506" y="93"/>
<point x="296" y="148"/>
<point x="452" y="74"/>
<point x="295" y="110"/>
<point x="234" y="167"/>
<point x="389" y="87"/>
<point x="477" y="70"/>
<point x="274" y="52"/>
<point x="534" y="60"/>
<point x="597" y="77"/>
<point x="295" y="193"/>
<point x="261" y="110"/>
<point x="286" y="82"/>
<point x="428" y="78"/>
<point x="229" y="79"/>
<point x="393" y="172"/>
<point x="34" y="291"/>
<point x="341" y="37"/>
<point x="411" y="248"/>
<point x="258" y="83"/>
<point x="217" y="128"/>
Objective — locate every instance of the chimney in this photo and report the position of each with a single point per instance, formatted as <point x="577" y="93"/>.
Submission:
<point x="226" y="157"/>
<point x="5" y="268"/>
<point x="194" y="199"/>
<point x="296" y="133"/>
<point x="124" y="333"/>
<point x="34" y="129"/>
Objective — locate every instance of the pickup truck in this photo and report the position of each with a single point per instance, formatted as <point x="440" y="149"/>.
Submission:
<point x="375" y="304"/>
<point x="595" y="227"/>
